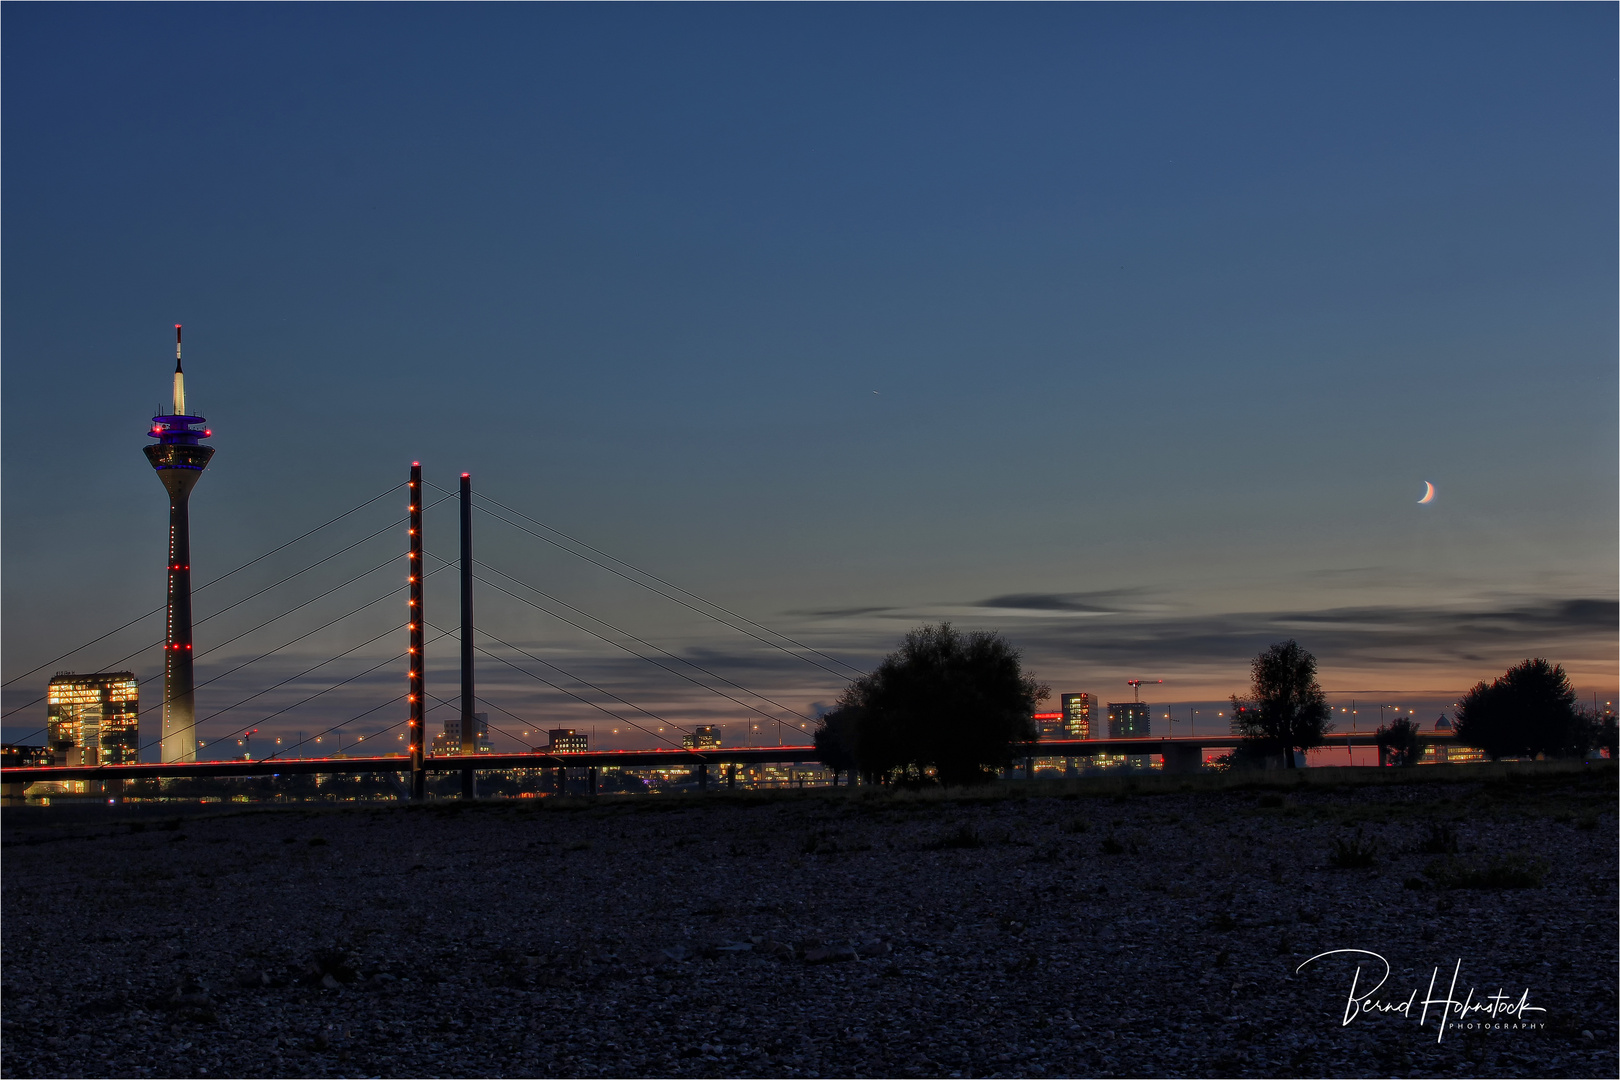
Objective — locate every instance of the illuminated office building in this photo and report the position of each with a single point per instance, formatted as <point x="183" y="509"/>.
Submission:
<point x="566" y="741"/>
<point x="702" y="737"/>
<point x="1127" y="719"/>
<point x="448" y="741"/>
<point x="1077" y="716"/>
<point x="94" y="719"/>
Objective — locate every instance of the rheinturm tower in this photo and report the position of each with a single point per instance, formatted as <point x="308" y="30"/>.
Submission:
<point x="179" y="457"/>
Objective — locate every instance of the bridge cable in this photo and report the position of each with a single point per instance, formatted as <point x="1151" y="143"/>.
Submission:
<point x="492" y="705"/>
<point x="368" y="712"/>
<point x="200" y="588"/>
<point x="678" y="600"/>
<point x="570" y="693"/>
<point x="660" y="592"/>
<point x="668" y="584"/>
<point x="245" y="599"/>
<point x="245" y="633"/>
<point x="639" y="656"/>
<point x="261" y="626"/>
<point x="301" y="674"/>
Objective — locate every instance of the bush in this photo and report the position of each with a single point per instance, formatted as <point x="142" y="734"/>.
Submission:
<point x="1353" y="854"/>
<point x="964" y="836"/>
<point x="1505" y="872"/>
<point x="1110" y="846"/>
<point x="1399" y="741"/>
<point x="1076" y="825"/>
<point x="1441" y="840"/>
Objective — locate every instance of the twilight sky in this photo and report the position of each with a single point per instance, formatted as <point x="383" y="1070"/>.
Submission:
<point x="1132" y="332"/>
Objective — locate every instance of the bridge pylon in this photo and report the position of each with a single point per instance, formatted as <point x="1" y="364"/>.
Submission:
<point x="417" y="682"/>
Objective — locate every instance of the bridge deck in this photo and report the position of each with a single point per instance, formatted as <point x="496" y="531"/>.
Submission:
<point x="640" y="759"/>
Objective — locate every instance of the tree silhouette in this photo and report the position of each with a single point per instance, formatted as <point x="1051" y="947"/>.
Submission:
<point x="835" y="738"/>
<point x="1286" y="710"/>
<point x="1400" y="741"/>
<point x="1528" y="710"/>
<point x="945" y="701"/>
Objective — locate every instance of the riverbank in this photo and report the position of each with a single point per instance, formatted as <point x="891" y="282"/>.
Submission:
<point x="1149" y="925"/>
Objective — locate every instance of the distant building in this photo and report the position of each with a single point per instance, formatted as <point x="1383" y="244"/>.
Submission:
<point x="93" y="719"/>
<point x="18" y="756"/>
<point x="1448" y="752"/>
<point x="1077" y="716"/>
<point x="566" y="741"/>
<point x="1127" y="719"/>
<point x="1049" y="725"/>
<point x="702" y="737"/>
<point x="448" y="741"/>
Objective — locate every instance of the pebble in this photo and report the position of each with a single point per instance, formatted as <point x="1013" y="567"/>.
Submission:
<point x="695" y="937"/>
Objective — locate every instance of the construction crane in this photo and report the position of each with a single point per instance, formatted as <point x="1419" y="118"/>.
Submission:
<point x="1136" y="687"/>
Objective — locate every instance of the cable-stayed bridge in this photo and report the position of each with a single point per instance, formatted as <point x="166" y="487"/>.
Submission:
<point x="332" y="626"/>
<point x="327" y="607"/>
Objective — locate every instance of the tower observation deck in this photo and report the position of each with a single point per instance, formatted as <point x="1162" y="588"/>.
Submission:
<point x="179" y="457"/>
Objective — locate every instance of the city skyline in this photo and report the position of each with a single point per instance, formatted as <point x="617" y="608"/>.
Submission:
<point x="1102" y="346"/>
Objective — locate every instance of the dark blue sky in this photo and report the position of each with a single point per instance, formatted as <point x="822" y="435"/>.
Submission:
<point x="1133" y="332"/>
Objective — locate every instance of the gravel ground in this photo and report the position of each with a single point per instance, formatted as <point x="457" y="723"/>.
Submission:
<point x="1090" y="932"/>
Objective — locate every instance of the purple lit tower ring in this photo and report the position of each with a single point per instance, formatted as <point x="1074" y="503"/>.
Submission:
<point x="179" y="458"/>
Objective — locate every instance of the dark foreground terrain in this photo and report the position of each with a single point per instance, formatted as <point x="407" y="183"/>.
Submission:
<point x="1033" y="931"/>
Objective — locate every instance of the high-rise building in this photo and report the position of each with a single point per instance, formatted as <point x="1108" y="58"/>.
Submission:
<point x="448" y="741"/>
<point x="94" y="719"/>
<point x="179" y="458"/>
<point x="1127" y="719"/>
<point x="1077" y="716"/>
<point x="702" y="737"/>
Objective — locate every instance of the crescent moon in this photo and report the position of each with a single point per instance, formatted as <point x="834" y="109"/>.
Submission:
<point x="1428" y="494"/>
